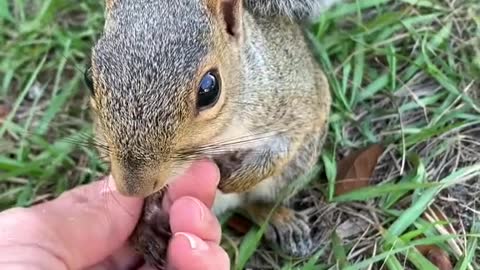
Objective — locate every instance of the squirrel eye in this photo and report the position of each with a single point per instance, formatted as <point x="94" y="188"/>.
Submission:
<point x="88" y="78"/>
<point x="208" y="90"/>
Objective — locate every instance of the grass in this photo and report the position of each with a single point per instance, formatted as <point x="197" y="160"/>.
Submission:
<point x="44" y="47"/>
<point x="404" y="73"/>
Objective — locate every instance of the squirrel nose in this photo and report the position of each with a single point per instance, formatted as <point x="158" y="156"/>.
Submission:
<point x="132" y="186"/>
<point x="134" y="182"/>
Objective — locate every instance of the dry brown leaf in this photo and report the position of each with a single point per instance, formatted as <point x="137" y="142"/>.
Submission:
<point x="434" y="214"/>
<point x="4" y="111"/>
<point x="424" y="249"/>
<point x="433" y="253"/>
<point x="354" y="171"/>
<point x="239" y="224"/>
<point x="439" y="258"/>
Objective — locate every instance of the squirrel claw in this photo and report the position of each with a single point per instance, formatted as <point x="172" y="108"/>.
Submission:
<point x="152" y="234"/>
<point x="290" y="232"/>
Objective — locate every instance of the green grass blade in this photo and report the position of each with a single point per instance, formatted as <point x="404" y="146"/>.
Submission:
<point x="248" y="246"/>
<point x="23" y="94"/>
<point x="339" y="251"/>
<point x="377" y="191"/>
<point x="377" y="258"/>
<point x="417" y="209"/>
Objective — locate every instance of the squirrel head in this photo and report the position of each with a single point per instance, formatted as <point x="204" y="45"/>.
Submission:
<point x="161" y="76"/>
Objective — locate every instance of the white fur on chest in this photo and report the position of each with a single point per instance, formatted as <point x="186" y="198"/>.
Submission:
<point x="265" y="191"/>
<point x="224" y="202"/>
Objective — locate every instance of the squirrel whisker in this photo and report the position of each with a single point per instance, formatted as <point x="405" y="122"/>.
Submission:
<point x="86" y="140"/>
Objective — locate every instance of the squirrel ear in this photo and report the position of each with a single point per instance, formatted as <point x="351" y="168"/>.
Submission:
<point x="230" y="11"/>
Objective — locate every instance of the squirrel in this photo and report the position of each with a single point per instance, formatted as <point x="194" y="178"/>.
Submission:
<point x="234" y="81"/>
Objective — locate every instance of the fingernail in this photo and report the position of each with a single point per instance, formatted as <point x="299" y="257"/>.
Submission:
<point x="217" y="173"/>
<point x="166" y="203"/>
<point x="194" y="244"/>
<point x="217" y="170"/>
<point x="200" y="208"/>
<point x="109" y="186"/>
<point x="212" y="164"/>
<point x="197" y="167"/>
<point x="111" y="183"/>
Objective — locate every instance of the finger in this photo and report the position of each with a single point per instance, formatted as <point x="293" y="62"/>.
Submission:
<point x="188" y="214"/>
<point x="124" y="258"/>
<point x="80" y="228"/>
<point x="199" y="181"/>
<point x="187" y="251"/>
<point x="146" y="267"/>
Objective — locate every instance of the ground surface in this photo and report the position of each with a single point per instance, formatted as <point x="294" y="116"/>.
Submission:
<point x="402" y="74"/>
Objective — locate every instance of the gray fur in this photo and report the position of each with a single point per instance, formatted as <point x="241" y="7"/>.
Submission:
<point x="137" y="59"/>
<point x="140" y="75"/>
<point x="145" y="66"/>
<point x="303" y="10"/>
<point x="297" y="100"/>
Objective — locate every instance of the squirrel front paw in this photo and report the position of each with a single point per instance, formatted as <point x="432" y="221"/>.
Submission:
<point x="290" y="231"/>
<point x="287" y="230"/>
<point x="152" y="233"/>
<point x="228" y="163"/>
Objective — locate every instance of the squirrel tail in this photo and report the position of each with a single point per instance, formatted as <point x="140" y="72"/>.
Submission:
<point x="295" y="9"/>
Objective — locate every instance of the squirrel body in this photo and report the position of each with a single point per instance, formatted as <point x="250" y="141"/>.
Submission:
<point x="230" y="80"/>
<point x="302" y="109"/>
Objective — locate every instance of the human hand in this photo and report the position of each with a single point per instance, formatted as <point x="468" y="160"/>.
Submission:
<point x="88" y="228"/>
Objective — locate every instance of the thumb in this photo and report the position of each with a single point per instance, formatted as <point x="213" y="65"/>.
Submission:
<point x="87" y="224"/>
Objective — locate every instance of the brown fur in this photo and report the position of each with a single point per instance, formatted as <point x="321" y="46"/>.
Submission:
<point x="266" y="130"/>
